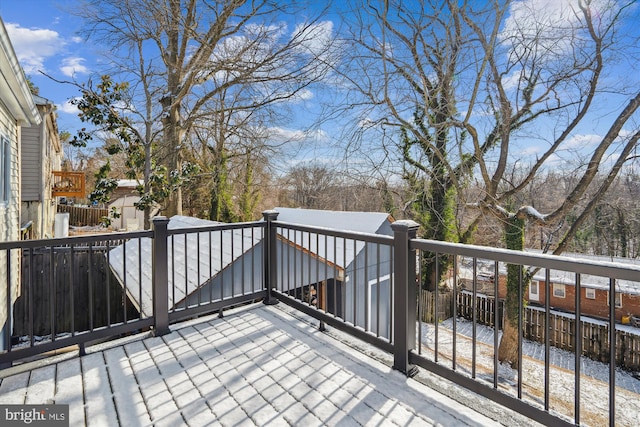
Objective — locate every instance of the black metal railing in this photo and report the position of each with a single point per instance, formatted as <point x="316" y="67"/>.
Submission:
<point x="342" y="278"/>
<point x="551" y="394"/>
<point x="363" y="284"/>
<point x="61" y="292"/>
<point x="77" y="290"/>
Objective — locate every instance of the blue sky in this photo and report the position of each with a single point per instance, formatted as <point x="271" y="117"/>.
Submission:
<point x="45" y="38"/>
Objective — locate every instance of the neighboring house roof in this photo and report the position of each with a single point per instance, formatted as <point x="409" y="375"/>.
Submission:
<point x="330" y="248"/>
<point x="39" y="100"/>
<point x="362" y="222"/>
<point x="183" y="265"/>
<point x="485" y="268"/>
<point x="129" y="183"/>
<point x="14" y="89"/>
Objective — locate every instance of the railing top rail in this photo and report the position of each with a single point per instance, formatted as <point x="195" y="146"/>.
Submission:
<point x="216" y="227"/>
<point x="74" y="240"/>
<point x="615" y="270"/>
<point x="367" y="237"/>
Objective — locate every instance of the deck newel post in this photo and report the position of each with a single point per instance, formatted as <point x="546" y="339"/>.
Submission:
<point x="404" y="295"/>
<point x="269" y="255"/>
<point x="160" y="273"/>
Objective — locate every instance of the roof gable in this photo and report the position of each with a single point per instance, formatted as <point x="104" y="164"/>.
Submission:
<point x="361" y="222"/>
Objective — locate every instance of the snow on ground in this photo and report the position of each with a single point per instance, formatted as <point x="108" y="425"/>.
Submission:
<point x="594" y="379"/>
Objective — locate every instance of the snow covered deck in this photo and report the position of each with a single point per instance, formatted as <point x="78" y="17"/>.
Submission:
<point x="259" y="365"/>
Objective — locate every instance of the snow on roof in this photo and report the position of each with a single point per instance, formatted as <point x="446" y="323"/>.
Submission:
<point x="193" y="259"/>
<point x="361" y="222"/>
<point x="486" y="268"/>
<point x="335" y="250"/>
<point x="129" y="183"/>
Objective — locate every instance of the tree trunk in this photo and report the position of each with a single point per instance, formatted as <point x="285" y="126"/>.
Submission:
<point x="172" y="143"/>
<point x="508" y="350"/>
<point x="514" y="302"/>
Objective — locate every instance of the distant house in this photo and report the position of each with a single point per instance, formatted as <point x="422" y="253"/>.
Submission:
<point x="124" y="198"/>
<point x="17" y="110"/>
<point x="594" y="290"/>
<point x="343" y="274"/>
<point x="41" y="154"/>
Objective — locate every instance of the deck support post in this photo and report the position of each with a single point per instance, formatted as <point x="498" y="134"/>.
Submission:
<point x="404" y="295"/>
<point x="160" y="295"/>
<point x="269" y="255"/>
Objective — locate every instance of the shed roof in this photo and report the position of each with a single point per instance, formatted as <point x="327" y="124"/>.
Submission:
<point x="362" y="222"/>
<point x="194" y="259"/>
<point x="335" y="250"/>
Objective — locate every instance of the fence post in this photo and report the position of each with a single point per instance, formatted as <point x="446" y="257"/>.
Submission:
<point x="404" y="295"/>
<point x="160" y="294"/>
<point x="269" y="255"/>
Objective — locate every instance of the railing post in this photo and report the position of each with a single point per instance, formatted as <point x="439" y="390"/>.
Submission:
<point x="160" y="274"/>
<point x="404" y="295"/>
<point x="269" y="255"/>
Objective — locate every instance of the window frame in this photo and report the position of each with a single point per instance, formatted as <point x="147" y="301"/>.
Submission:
<point x="534" y="296"/>
<point x="618" y="299"/>
<point x="590" y="293"/>
<point x="5" y="171"/>
<point x="557" y="288"/>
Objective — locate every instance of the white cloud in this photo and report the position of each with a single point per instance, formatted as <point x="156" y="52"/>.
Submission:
<point x="314" y="38"/>
<point x="304" y="95"/>
<point x="280" y="135"/>
<point x="68" y="107"/>
<point x="546" y="30"/>
<point x="77" y="39"/>
<point x="34" y="45"/>
<point x="582" y="141"/>
<point x="73" y="65"/>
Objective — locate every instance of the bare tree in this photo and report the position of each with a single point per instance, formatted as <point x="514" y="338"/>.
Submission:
<point x="189" y="56"/>
<point x="467" y="86"/>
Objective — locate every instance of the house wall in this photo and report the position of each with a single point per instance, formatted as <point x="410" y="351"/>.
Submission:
<point x="9" y="218"/>
<point x="41" y="154"/>
<point x="131" y="218"/>
<point x="366" y="278"/>
<point x="597" y="307"/>
<point x="233" y="280"/>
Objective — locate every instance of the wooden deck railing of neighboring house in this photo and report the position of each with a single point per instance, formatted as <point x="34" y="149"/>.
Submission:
<point x="68" y="184"/>
<point x="383" y="312"/>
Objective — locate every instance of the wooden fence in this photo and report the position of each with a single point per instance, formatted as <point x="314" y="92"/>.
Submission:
<point x="428" y="306"/>
<point x="78" y="286"/>
<point x="595" y="334"/>
<point x="80" y="215"/>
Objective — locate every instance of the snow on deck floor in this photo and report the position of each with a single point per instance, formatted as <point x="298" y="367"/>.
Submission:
<point x="256" y="366"/>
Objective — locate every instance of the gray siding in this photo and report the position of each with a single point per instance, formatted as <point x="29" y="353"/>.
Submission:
<point x="31" y="164"/>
